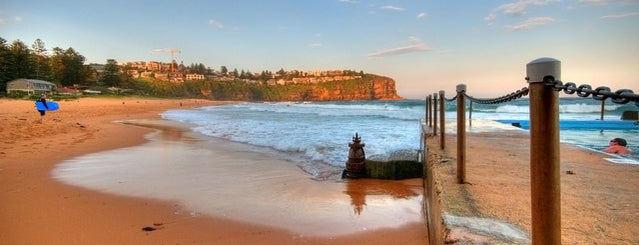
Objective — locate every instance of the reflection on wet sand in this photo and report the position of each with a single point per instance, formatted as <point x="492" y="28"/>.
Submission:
<point x="213" y="177"/>
<point x="358" y="189"/>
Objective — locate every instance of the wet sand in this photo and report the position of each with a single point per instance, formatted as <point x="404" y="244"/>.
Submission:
<point x="39" y="209"/>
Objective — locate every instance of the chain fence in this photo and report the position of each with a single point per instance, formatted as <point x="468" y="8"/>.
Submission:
<point x="621" y="96"/>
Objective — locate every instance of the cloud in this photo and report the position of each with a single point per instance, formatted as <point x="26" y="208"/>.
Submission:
<point x="421" y="15"/>
<point x="15" y="20"/>
<point x="315" y="45"/>
<point x="532" y="22"/>
<point x="393" y="8"/>
<point x="348" y="1"/>
<point x="412" y="48"/>
<point x="490" y="18"/>
<point x="517" y="8"/>
<point x="595" y="2"/>
<point x="216" y="24"/>
<point x="617" y="16"/>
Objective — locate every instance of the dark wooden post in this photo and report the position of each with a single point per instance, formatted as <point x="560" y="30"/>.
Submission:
<point x="470" y="114"/>
<point x="544" y="152"/>
<point x="603" y="108"/>
<point x="461" y="134"/>
<point x="430" y="113"/>
<point x="426" y="110"/>
<point x="434" y="114"/>
<point x="442" y="120"/>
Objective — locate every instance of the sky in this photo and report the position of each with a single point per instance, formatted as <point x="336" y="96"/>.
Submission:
<point x="425" y="46"/>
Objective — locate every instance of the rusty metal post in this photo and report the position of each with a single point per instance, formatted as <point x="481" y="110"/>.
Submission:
<point x="434" y="114"/>
<point x="355" y="166"/>
<point x="442" y="120"/>
<point x="544" y="152"/>
<point x="461" y="134"/>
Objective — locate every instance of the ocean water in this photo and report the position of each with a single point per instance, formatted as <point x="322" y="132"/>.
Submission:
<point x="317" y="133"/>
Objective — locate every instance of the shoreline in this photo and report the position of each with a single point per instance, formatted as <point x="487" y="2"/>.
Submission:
<point x="38" y="209"/>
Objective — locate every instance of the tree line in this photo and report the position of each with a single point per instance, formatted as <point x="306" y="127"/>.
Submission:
<point x="62" y="66"/>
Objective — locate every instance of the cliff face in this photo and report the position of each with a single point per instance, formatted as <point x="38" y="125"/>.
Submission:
<point x="376" y="88"/>
<point x="367" y="87"/>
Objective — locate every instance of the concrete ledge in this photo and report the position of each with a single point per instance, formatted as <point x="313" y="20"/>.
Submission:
<point x="452" y="215"/>
<point x="393" y="170"/>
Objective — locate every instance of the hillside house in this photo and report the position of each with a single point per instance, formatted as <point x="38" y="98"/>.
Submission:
<point x="193" y="76"/>
<point x="30" y="86"/>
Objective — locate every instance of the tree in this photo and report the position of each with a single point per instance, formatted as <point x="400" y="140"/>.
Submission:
<point x="281" y="72"/>
<point x="223" y="70"/>
<point x="39" y="52"/>
<point x="5" y="64"/>
<point x="20" y="63"/>
<point x="111" y="75"/>
<point x="67" y="67"/>
<point x="201" y="69"/>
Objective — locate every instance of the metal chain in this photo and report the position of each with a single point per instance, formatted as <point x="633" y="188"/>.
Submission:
<point x="451" y="99"/>
<point x="512" y="96"/>
<point x="621" y="96"/>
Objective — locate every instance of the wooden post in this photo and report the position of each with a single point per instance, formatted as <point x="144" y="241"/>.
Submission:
<point x="461" y="134"/>
<point x="434" y="114"/>
<point x="470" y="114"/>
<point x="544" y="152"/>
<point x="430" y="113"/>
<point x="426" y="110"/>
<point x="603" y="108"/>
<point x="442" y="120"/>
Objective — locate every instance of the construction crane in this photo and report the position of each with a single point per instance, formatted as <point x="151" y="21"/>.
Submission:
<point x="169" y="50"/>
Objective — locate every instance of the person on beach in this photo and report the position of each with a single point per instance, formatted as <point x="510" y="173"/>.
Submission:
<point x="617" y="146"/>
<point x="43" y="99"/>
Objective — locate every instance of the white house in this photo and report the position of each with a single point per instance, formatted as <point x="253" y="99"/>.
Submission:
<point x="30" y="86"/>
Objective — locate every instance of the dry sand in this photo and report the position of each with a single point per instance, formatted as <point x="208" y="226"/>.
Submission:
<point x="36" y="209"/>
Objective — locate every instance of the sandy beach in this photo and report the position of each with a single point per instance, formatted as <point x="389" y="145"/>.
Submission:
<point x="35" y="208"/>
